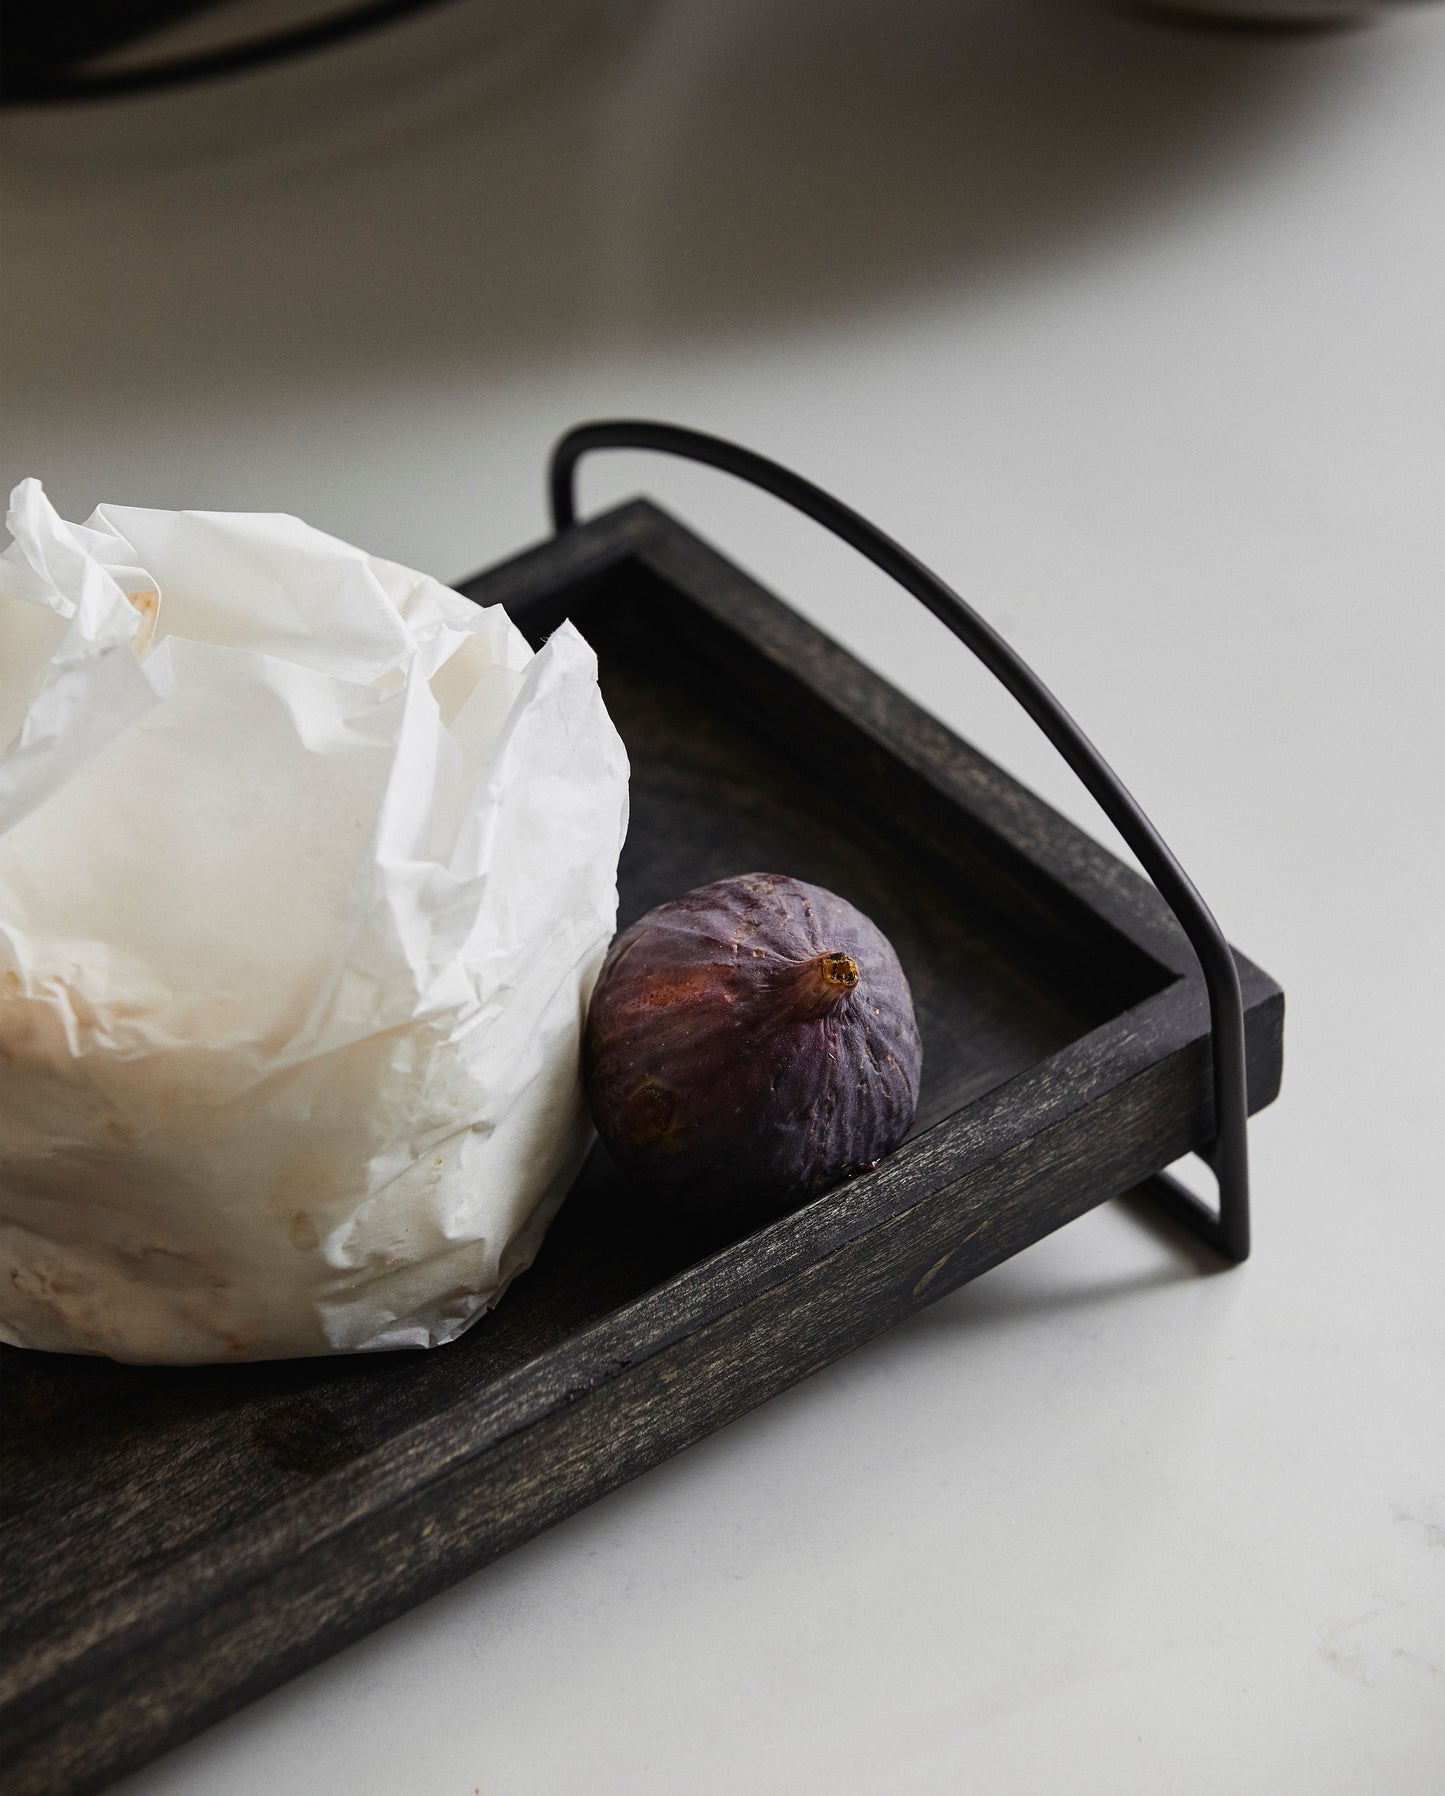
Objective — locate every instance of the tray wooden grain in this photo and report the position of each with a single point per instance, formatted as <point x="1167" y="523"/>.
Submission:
<point x="176" y="1542"/>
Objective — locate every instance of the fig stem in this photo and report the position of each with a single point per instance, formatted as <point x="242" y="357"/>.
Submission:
<point x="816" y="987"/>
<point x="840" y="970"/>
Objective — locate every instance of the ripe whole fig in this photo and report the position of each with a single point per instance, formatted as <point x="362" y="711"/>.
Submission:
<point x="748" y="1045"/>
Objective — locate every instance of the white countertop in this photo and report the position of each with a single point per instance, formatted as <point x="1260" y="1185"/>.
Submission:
<point x="1135" y="334"/>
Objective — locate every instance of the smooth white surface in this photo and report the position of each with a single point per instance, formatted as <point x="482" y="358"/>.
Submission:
<point x="1134" y="334"/>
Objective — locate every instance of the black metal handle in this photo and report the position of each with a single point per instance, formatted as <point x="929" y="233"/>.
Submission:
<point x="1228" y="1154"/>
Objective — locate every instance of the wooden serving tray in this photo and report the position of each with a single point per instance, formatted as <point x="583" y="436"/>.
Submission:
<point x="176" y="1541"/>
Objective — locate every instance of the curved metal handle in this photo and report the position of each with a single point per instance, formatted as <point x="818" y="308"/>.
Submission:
<point x="1228" y="1154"/>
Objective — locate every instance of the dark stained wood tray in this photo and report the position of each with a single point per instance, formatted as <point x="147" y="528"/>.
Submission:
<point x="176" y="1541"/>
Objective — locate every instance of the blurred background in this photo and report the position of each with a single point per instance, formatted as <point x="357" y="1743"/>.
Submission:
<point x="1127" y="324"/>
<point x="1078" y="302"/>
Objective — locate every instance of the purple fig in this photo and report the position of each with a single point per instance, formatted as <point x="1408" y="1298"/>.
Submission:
<point x="748" y="1045"/>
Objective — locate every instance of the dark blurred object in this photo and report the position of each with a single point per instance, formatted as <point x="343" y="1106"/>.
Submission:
<point x="1261" y="15"/>
<point x="75" y="50"/>
<point x="40" y="41"/>
<point x="49" y="51"/>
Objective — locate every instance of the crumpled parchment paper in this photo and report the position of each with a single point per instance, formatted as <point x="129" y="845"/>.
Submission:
<point x="307" y="868"/>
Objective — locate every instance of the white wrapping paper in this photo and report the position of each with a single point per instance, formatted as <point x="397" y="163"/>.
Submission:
<point x="307" y="867"/>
